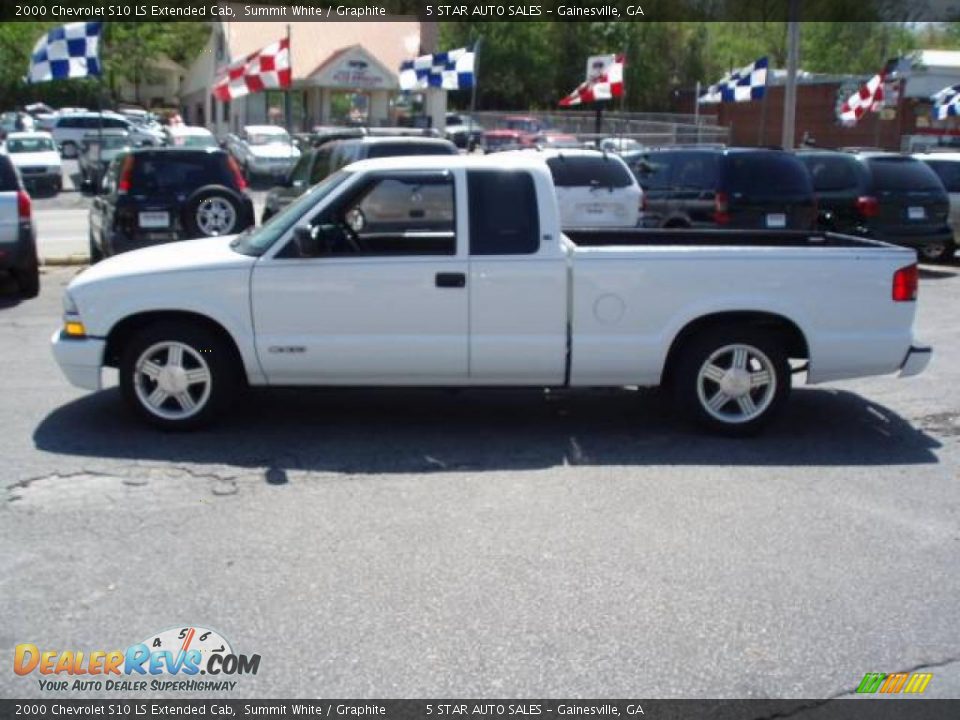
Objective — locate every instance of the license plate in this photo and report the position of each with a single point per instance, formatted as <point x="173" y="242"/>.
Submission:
<point x="154" y="219"/>
<point x="776" y="220"/>
<point x="595" y="209"/>
<point x="917" y="213"/>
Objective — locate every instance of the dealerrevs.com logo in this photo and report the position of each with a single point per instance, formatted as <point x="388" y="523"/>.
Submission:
<point x="172" y="660"/>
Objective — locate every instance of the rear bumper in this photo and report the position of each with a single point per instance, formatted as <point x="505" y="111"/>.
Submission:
<point x="17" y="254"/>
<point x="917" y="360"/>
<point x="80" y="359"/>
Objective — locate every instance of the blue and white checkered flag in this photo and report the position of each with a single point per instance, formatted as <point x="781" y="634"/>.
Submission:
<point x="946" y="103"/>
<point x="452" y="70"/>
<point x="743" y="85"/>
<point x="68" y="51"/>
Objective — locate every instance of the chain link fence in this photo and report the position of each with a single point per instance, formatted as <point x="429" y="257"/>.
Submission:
<point x="648" y="129"/>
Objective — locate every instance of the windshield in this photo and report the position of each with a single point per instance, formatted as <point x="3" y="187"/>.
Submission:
<point x="256" y="242"/>
<point x="269" y="139"/>
<point x="29" y="145"/>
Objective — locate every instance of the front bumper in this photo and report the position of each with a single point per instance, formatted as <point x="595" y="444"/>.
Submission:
<point x="917" y="360"/>
<point x="80" y="359"/>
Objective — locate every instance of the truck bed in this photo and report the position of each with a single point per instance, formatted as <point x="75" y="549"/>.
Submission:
<point x="602" y="237"/>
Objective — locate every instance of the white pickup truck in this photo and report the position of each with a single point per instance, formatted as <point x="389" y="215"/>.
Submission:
<point x="453" y="271"/>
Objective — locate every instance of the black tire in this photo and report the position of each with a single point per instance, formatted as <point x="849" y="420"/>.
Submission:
<point x="28" y="276"/>
<point x="96" y="254"/>
<point x="767" y="353"/>
<point x="221" y="362"/>
<point x="192" y="206"/>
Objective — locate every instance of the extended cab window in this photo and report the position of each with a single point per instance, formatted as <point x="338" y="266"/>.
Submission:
<point x="407" y="214"/>
<point x="504" y="215"/>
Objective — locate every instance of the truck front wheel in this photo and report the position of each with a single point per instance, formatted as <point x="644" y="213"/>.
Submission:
<point x="178" y="376"/>
<point x="732" y="381"/>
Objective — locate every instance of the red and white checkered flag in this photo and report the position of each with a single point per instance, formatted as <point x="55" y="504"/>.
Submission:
<point x="606" y="85"/>
<point x="869" y="98"/>
<point x="266" y="69"/>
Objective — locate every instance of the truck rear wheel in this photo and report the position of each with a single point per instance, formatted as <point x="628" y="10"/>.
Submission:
<point x="178" y="376"/>
<point x="732" y="381"/>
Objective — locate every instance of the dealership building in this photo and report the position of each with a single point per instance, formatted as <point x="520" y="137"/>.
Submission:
<point x="341" y="72"/>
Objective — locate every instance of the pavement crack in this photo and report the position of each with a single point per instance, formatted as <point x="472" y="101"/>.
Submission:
<point x="814" y="704"/>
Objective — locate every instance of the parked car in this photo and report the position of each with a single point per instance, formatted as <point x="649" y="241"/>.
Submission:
<point x="189" y="136"/>
<point x="18" y="239"/>
<point x="742" y="188"/>
<point x="620" y="145"/>
<point x="162" y="195"/>
<point x="97" y="151"/>
<point x="368" y="280"/>
<point x="316" y="164"/>
<point x="594" y="189"/>
<point x="264" y="151"/>
<point x="551" y="139"/>
<point x="70" y="130"/>
<point x="35" y="156"/>
<point x="512" y="133"/>
<point x="463" y="131"/>
<point x="947" y="167"/>
<point x="885" y="196"/>
<point x="16" y="121"/>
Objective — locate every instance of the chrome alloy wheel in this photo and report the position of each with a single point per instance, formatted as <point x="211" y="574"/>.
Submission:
<point x="736" y="384"/>
<point x="216" y="216"/>
<point x="172" y="380"/>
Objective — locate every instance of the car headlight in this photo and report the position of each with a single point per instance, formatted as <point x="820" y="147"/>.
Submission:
<point x="72" y="326"/>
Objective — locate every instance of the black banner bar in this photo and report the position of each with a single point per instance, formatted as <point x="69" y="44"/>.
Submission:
<point x="476" y="10"/>
<point x="854" y="709"/>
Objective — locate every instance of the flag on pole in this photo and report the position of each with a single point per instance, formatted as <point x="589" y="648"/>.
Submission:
<point x="946" y="103"/>
<point x="869" y="98"/>
<point x="265" y="69"/>
<point x="604" y="81"/>
<point x="743" y="85"/>
<point x="451" y="70"/>
<point x="67" y="51"/>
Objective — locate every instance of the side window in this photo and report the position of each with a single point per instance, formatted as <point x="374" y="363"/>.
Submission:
<point x="504" y="215"/>
<point x="321" y="166"/>
<point x="655" y="171"/>
<point x="393" y="216"/>
<point x="949" y="173"/>
<point x="116" y="123"/>
<point x="300" y="175"/>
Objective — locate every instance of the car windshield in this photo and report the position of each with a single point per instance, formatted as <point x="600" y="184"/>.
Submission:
<point x="269" y="139"/>
<point x="256" y="242"/>
<point x="29" y="145"/>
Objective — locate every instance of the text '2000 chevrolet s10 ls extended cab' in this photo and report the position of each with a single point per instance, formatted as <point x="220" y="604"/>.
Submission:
<point x="453" y="271"/>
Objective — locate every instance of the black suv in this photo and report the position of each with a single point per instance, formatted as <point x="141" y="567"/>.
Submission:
<point x="314" y="165"/>
<point x="742" y="188"/>
<point x="18" y="240"/>
<point x="884" y="196"/>
<point x="163" y="195"/>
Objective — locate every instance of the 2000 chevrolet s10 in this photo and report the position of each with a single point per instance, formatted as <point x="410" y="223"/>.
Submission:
<point x="447" y="271"/>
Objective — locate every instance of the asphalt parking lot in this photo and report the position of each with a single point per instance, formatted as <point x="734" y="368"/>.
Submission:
<point x="410" y="543"/>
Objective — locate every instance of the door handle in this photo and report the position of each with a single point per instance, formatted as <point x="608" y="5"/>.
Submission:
<point x="451" y="280"/>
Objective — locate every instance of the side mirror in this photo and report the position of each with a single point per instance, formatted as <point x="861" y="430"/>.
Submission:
<point x="307" y="240"/>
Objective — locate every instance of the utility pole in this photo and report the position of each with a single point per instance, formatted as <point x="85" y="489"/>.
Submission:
<point x="790" y="90"/>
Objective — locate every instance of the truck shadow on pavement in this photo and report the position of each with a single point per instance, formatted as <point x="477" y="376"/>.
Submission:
<point x="416" y="431"/>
